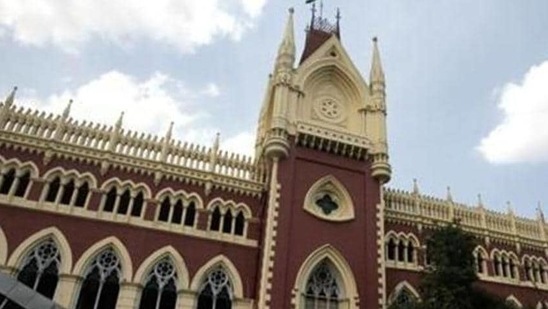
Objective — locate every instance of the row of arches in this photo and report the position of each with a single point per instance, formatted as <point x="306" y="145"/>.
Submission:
<point x="176" y="209"/>
<point x="44" y="259"/>
<point x="401" y="251"/>
<point x="404" y="295"/>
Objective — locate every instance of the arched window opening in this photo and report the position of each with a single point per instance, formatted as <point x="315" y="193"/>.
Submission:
<point x="322" y="289"/>
<point x="405" y="299"/>
<point x="479" y="262"/>
<point x="101" y="284"/>
<point x="123" y="207"/>
<point x="239" y="225"/>
<point x="512" y="304"/>
<point x="67" y="193"/>
<point x="24" y="181"/>
<point x="528" y="270"/>
<point x="504" y="264"/>
<point x="391" y="248"/>
<point x="163" y="215"/>
<point x="177" y="216"/>
<point x="82" y="195"/>
<point x="216" y="291"/>
<point x="497" y="266"/>
<point x="137" y="207"/>
<point x="7" y="181"/>
<point x="110" y="200"/>
<point x="53" y="190"/>
<point x="160" y="290"/>
<point x="512" y="268"/>
<point x="410" y="252"/>
<point x="542" y="274"/>
<point x="40" y="270"/>
<point x="215" y="220"/>
<point x="190" y="214"/>
<point x="227" y="222"/>
<point x="401" y="251"/>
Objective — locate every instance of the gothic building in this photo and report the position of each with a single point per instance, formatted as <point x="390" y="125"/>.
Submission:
<point x="98" y="216"/>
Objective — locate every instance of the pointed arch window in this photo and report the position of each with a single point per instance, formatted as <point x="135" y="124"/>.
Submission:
<point x="124" y="201"/>
<point x="216" y="291"/>
<point x="239" y="224"/>
<point x="101" y="284"/>
<point x="391" y="249"/>
<point x="178" y="212"/>
<point x="8" y="179"/>
<point x="322" y="289"/>
<point x="227" y="222"/>
<point x="160" y="291"/>
<point x="24" y="181"/>
<point x="215" y="224"/>
<point x="405" y="299"/>
<point x="40" y="269"/>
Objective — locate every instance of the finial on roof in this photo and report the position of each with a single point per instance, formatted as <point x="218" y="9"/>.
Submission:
<point x="338" y="18"/>
<point x="313" y="10"/>
<point x="216" y="142"/>
<point x="540" y="213"/>
<point x="415" y="186"/>
<point x="66" y="111"/>
<point x="169" y="131"/>
<point x="376" y="75"/>
<point x="480" y="201"/>
<point x="11" y="97"/>
<point x="509" y="208"/>
<point x="286" y="51"/>
<point x="449" y="195"/>
<point x="120" y="120"/>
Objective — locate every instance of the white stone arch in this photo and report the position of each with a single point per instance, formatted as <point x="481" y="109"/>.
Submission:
<point x="513" y="300"/>
<point x="3" y="247"/>
<point x="348" y="280"/>
<point x="413" y="239"/>
<point x="56" y="171"/>
<point x="118" y="247"/>
<point x="228" y="266"/>
<point x="28" y="244"/>
<point x="183" y="277"/>
<point x="404" y="285"/>
<point x="18" y="164"/>
<point x="495" y="252"/>
<point x="330" y="185"/>
<point x="127" y="184"/>
<point x="87" y="176"/>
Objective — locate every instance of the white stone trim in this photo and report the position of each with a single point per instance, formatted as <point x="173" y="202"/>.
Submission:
<point x="183" y="277"/>
<point x="330" y="185"/>
<point x="3" y="248"/>
<point x="231" y="270"/>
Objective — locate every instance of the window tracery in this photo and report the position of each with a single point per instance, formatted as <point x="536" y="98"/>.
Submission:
<point x="329" y="200"/>
<point x="160" y="291"/>
<point x="505" y="265"/>
<point x="216" y="291"/>
<point x="40" y="268"/>
<point x="322" y="289"/>
<point x="228" y="220"/>
<point x="405" y="299"/>
<point x="100" y="287"/>
<point x="535" y="269"/>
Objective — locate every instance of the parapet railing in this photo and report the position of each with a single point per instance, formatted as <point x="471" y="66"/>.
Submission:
<point x="427" y="209"/>
<point x="68" y="132"/>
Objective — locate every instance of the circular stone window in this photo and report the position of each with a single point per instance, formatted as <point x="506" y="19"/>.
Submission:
<point x="329" y="109"/>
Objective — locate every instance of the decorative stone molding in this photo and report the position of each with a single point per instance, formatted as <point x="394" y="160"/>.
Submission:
<point x="339" y="206"/>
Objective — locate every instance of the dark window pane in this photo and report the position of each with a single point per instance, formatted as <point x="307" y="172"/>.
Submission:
<point x="67" y="193"/>
<point x="9" y="177"/>
<point x="177" y="215"/>
<point x="190" y="214"/>
<point x="137" y="205"/>
<point x="125" y="198"/>
<point x="53" y="189"/>
<point x="111" y="200"/>
<point x="240" y="224"/>
<point x="215" y="220"/>
<point x="227" y="222"/>
<point x="164" y="210"/>
<point x="24" y="181"/>
<point x="82" y="195"/>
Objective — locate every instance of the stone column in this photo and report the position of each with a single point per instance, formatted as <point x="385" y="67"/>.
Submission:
<point x="186" y="299"/>
<point x="127" y="298"/>
<point x="66" y="292"/>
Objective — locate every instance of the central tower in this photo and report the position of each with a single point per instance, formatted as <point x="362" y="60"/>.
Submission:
<point x="322" y="132"/>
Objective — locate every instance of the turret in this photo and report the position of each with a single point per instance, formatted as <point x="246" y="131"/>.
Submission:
<point x="381" y="168"/>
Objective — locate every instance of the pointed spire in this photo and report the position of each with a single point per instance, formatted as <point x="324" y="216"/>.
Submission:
<point x="509" y="208"/>
<point x="11" y="97"/>
<point x="480" y="201"/>
<point x="415" y="186"/>
<point x="216" y="142"/>
<point x="119" y="121"/>
<point x="287" y="46"/>
<point x="169" y="132"/>
<point x="66" y="112"/>
<point x="449" y="195"/>
<point x="376" y="74"/>
<point x="540" y="214"/>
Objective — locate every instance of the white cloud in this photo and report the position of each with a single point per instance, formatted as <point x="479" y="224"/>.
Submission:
<point x="149" y="105"/>
<point x="243" y="143"/>
<point x="68" y="24"/>
<point x="212" y="90"/>
<point x="523" y="134"/>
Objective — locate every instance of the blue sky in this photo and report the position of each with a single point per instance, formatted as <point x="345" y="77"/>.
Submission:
<point x="467" y="81"/>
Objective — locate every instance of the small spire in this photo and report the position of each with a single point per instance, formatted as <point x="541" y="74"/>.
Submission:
<point x="480" y="201"/>
<point x="287" y="46"/>
<point x="313" y="10"/>
<point x="169" y="132"/>
<point x="376" y="74"/>
<point x="338" y="18"/>
<point x="540" y="214"/>
<point x="11" y="97"/>
<point x="119" y="121"/>
<point x="449" y="195"/>
<point x="66" y="112"/>
<point x="415" y="186"/>
<point x="216" y="142"/>
<point x="509" y="208"/>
